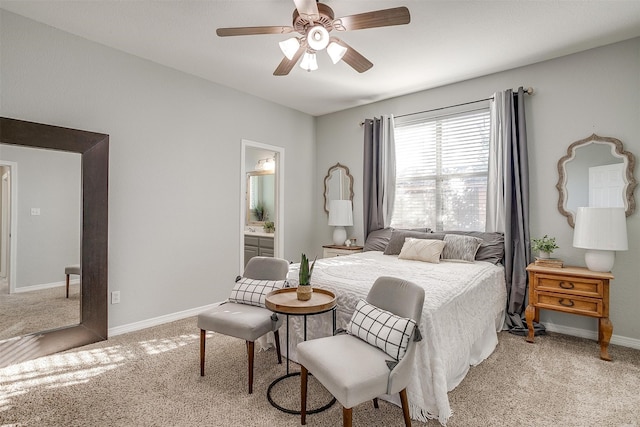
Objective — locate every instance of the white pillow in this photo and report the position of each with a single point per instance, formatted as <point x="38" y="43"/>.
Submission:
<point x="422" y="250"/>
<point x="460" y="248"/>
<point x="385" y="330"/>
<point x="253" y="291"/>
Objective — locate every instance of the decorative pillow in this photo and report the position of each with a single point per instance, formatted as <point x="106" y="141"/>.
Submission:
<point x="253" y="291"/>
<point x="460" y="248"/>
<point x="396" y="242"/>
<point x="491" y="249"/>
<point x="427" y="250"/>
<point x="377" y="240"/>
<point x="385" y="330"/>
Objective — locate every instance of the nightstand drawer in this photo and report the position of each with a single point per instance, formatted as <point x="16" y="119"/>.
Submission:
<point x="570" y="304"/>
<point x="570" y="285"/>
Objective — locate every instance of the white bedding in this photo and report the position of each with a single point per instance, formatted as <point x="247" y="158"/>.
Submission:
<point x="463" y="310"/>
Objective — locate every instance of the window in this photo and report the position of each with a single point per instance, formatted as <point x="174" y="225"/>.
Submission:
<point x="441" y="171"/>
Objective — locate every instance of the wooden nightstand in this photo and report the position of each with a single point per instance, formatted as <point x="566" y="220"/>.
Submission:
<point x="330" y="251"/>
<point x="574" y="290"/>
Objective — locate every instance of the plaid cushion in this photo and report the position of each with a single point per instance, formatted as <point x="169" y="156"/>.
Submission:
<point x="254" y="292"/>
<point x="385" y="330"/>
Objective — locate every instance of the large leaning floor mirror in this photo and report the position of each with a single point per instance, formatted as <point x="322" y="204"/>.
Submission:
<point x="53" y="239"/>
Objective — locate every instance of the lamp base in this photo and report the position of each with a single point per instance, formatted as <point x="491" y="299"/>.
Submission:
<point x="598" y="260"/>
<point x="339" y="235"/>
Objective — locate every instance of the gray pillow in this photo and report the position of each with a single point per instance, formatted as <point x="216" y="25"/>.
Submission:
<point x="492" y="247"/>
<point x="460" y="248"/>
<point x="397" y="240"/>
<point x="377" y="240"/>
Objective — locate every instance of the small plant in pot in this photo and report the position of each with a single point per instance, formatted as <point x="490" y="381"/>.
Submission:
<point x="544" y="246"/>
<point x="304" y="279"/>
<point x="269" y="227"/>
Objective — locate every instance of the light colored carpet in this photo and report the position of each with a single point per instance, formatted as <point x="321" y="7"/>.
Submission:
<point x="35" y="311"/>
<point x="151" y="378"/>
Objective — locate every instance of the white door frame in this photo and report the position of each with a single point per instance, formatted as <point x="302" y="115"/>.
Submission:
<point x="278" y="250"/>
<point x="13" y="222"/>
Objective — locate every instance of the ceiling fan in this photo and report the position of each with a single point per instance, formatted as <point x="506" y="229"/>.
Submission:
<point x="314" y="21"/>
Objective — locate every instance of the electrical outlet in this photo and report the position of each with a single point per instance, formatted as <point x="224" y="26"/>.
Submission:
<point x="115" y="297"/>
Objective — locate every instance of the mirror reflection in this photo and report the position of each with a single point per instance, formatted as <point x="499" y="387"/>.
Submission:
<point x="260" y="197"/>
<point x="338" y="185"/>
<point x="40" y="237"/>
<point x="596" y="172"/>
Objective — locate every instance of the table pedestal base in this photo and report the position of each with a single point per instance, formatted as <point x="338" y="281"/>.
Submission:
<point x="292" y="411"/>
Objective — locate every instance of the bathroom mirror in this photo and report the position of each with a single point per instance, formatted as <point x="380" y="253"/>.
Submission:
<point x="94" y="157"/>
<point x="338" y="185"/>
<point x="597" y="172"/>
<point x="261" y="197"/>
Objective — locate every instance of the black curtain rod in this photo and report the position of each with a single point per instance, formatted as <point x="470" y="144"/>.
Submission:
<point x="527" y="91"/>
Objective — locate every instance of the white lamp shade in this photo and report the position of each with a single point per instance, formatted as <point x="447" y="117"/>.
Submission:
<point x="289" y="47"/>
<point x="336" y="52"/>
<point x="309" y="62"/>
<point x="340" y="213"/>
<point x="601" y="229"/>
<point x="317" y="37"/>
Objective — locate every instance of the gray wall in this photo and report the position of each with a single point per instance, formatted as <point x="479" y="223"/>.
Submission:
<point x="175" y="142"/>
<point x="47" y="243"/>
<point x="596" y="91"/>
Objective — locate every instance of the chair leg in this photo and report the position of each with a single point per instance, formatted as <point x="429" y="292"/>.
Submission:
<point x="67" y="286"/>
<point x="303" y="394"/>
<point x="346" y="416"/>
<point x="405" y="407"/>
<point x="203" y="338"/>
<point x="375" y="403"/>
<point x="276" y="334"/>
<point x="250" y="356"/>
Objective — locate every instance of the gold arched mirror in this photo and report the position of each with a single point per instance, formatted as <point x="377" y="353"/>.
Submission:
<point x="596" y="172"/>
<point x="338" y="185"/>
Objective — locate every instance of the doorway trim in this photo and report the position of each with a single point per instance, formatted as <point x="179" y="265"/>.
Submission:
<point x="13" y="222"/>
<point x="278" y="250"/>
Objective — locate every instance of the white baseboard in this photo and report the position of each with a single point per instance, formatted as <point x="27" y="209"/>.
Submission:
<point x="593" y="335"/>
<point x="551" y="327"/>
<point x="20" y="289"/>
<point x="143" y="324"/>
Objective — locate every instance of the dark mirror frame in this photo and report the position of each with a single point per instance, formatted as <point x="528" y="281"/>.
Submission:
<point x="94" y="150"/>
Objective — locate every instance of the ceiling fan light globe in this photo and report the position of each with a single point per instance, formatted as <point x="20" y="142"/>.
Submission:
<point x="336" y="52"/>
<point x="317" y="37"/>
<point x="309" y="62"/>
<point x="289" y="47"/>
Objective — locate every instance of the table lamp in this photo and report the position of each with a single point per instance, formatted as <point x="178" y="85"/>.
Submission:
<point x="340" y="215"/>
<point x="601" y="231"/>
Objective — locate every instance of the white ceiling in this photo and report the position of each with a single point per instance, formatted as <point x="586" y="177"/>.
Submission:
<point x="447" y="41"/>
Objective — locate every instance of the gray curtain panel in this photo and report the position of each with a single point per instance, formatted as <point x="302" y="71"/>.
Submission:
<point x="517" y="246"/>
<point x="379" y="173"/>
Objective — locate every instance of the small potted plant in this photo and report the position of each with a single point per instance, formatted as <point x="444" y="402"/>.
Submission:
<point x="269" y="227"/>
<point x="305" y="290"/>
<point x="544" y="246"/>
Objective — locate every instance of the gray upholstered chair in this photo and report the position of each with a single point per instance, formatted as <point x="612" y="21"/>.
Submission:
<point x="243" y="321"/>
<point x="354" y="371"/>
<point x="72" y="269"/>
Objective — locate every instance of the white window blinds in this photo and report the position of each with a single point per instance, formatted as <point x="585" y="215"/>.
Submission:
<point x="441" y="172"/>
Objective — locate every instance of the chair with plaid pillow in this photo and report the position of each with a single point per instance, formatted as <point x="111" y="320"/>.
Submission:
<point x="244" y="315"/>
<point x="376" y="354"/>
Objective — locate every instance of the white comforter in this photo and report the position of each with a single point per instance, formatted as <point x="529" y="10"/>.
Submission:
<point x="463" y="308"/>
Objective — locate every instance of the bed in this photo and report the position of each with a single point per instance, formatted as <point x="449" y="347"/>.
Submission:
<point x="463" y="310"/>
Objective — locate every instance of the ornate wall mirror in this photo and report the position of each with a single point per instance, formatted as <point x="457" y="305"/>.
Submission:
<point x="597" y="172"/>
<point x="338" y="185"/>
<point x="261" y="197"/>
<point x="94" y="158"/>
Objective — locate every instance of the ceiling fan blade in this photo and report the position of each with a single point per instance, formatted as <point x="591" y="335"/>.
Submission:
<point x="377" y="18"/>
<point x="251" y="31"/>
<point x="286" y="65"/>
<point x="308" y="9"/>
<point x="354" y="58"/>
